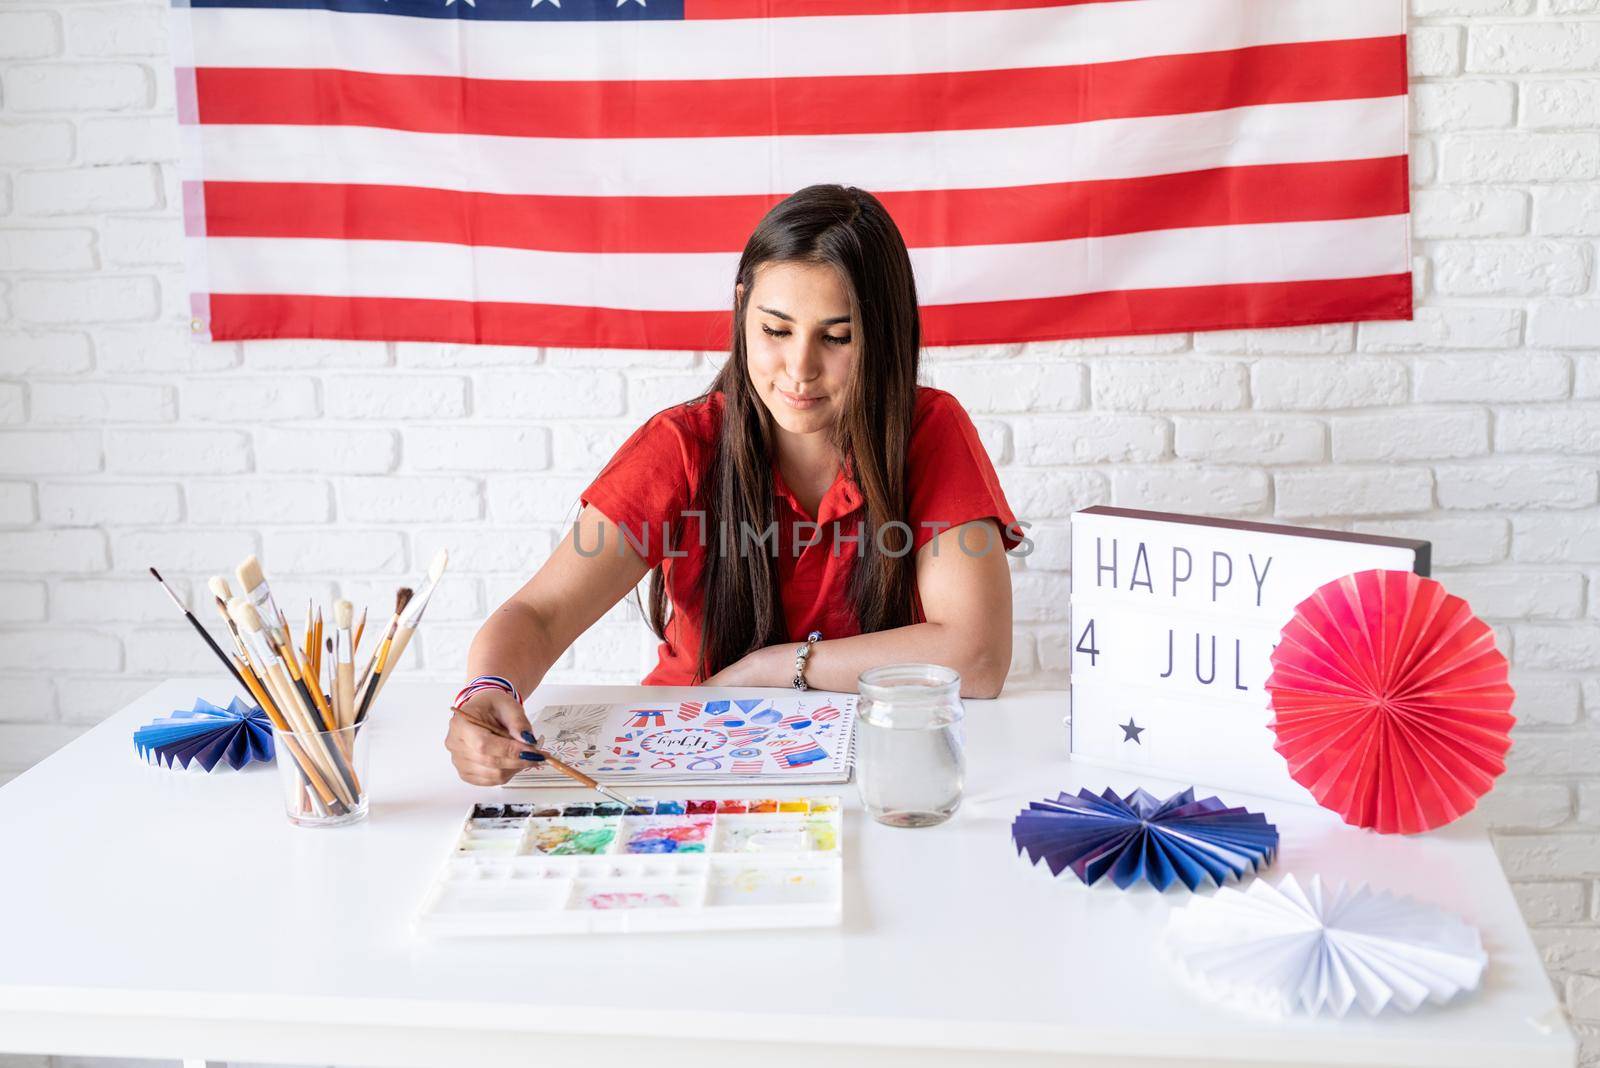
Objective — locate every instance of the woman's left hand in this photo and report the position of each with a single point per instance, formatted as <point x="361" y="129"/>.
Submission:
<point x="760" y="668"/>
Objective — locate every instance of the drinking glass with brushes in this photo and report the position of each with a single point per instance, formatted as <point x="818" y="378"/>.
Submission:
<point x="309" y="688"/>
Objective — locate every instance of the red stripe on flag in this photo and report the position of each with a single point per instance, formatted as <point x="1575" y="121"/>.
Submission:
<point x="236" y="316"/>
<point x="759" y="107"/>
<point x="927" y="218"/>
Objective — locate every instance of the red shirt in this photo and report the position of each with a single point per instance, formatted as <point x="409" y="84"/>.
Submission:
<point x="650" y="482"/>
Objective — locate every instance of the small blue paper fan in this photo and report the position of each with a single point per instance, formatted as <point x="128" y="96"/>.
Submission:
<point x="207" y="734"/>
<point x="1140" y="837"/>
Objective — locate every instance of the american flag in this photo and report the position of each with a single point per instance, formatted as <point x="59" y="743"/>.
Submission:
<point x="586" y="172"/>
<point x="688" y="710"/>
<point x="798" y="750"/>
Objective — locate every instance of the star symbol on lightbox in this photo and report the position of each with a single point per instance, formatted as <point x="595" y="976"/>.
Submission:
<point x="1131" y="731"/>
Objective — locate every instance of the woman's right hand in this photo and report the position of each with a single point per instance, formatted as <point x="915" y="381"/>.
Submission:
<point x="486" y="741"/>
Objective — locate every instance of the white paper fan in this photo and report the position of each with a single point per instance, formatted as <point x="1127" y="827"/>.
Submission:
<point x="1289" y="949"/>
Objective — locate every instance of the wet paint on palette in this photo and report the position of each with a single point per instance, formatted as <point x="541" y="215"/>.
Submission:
<point x="687" y="834"/>
<point x="786" y="835"/>
<point x="583" y="836"/>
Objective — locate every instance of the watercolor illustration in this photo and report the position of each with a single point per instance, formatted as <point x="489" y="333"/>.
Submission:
<point x="740" y="736"/>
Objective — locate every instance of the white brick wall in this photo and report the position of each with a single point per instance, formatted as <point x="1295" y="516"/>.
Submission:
<point x="345" y="464"/>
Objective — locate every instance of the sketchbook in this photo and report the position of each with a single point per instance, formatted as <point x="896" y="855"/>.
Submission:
<point x="754" y="737"/>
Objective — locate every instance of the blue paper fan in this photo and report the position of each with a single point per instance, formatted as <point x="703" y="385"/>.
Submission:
<point x="207" y="734"/>
<point x="1141" y="837"/>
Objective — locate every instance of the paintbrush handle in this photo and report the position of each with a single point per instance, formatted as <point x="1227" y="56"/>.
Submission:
<point x="307" y="768"/>
<point x="217" y="649"/>
<point x="402" y="638"/>
<point x="369" y="685"/>
<point x="344" y="692"/>
<point x="377" y="653"/>
<point x="569" y="771"/>
<point x="296" y="716"/>
<point x="587" y="780"/>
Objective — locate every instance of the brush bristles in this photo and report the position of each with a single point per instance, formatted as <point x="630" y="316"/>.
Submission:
<point x="219" y="589"/>
<point x="343" y="613"/>
<point x="250" y="574"/>
<point x="244" y="613"/>
<point x="402" y="598"/>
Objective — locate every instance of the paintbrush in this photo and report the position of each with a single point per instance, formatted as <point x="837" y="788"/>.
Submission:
<point x="308" y="770"/>
<point x="361" y="628"/>
<point x="412" y="616"/>
<point x="253" y="581"/>
<point x="220" y="596"/>
<point x="372" y="678"/>
<point x="592" y="783"/>
<point x="308" y="688"/>
<point x="298" y="713"/>
<point x="279" y="638"/>
<point x="344" y="666"/>
<point x="325" y="658"/>
<point x="402" y="598"/>
<point x="227" y="662"/>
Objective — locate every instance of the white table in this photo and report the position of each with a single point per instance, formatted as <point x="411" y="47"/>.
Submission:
<point x="145" y="912"/>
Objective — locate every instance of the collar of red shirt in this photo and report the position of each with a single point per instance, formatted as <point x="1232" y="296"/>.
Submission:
<point x="842" y="498"/>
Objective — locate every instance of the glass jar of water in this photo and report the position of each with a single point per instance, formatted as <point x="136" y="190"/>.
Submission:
<point x="909" y="761"/>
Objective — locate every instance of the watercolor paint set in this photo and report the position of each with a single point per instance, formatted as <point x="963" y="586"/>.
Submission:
<point x="660" y="866"/>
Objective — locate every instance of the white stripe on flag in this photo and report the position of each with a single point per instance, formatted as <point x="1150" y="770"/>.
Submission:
<point x="943" y="159"/>
<point x="773" y="48"/>
<point x="1273" y="252"/>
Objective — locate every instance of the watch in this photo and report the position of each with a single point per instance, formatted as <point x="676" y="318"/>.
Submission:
<point x="801" y="654"/>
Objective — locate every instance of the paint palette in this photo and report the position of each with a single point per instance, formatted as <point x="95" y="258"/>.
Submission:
<point x="663" y="866"/>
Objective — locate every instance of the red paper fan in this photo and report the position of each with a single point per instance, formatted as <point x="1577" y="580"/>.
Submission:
<point x="1390" y="701"/>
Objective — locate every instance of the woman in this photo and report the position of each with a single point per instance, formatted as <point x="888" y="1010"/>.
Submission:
<point x="813" y="492"/>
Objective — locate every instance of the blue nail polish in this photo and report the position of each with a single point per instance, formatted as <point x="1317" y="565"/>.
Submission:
<point x="534" y="757"/>
<point x="528" y="737"/>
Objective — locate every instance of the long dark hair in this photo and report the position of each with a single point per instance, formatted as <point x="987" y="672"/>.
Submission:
<point x="849" y="229"/>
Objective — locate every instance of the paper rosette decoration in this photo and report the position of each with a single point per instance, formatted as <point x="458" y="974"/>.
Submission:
<point x="1391" y="702"/>
<point x="1290" y="949"/>
<point x="1141" y="837"/>
<point x="207" y="734"/>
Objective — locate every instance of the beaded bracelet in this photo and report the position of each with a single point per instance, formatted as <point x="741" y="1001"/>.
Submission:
<point x="485" y="682"/>
<point x="802" y="653"/>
